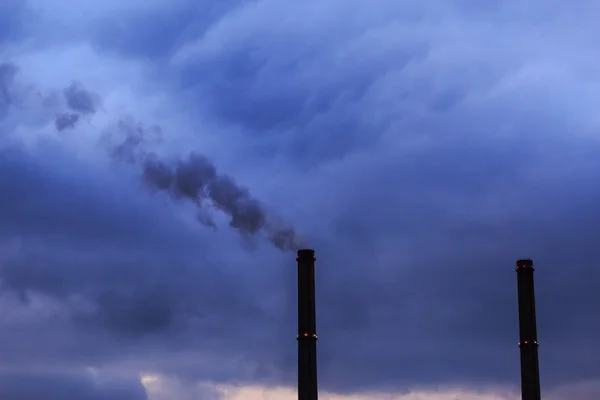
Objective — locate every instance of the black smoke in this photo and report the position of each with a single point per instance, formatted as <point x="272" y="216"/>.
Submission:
<point x="66" y="120"/>
<point x="80" y="102"/>
<point x="193" y="178"/>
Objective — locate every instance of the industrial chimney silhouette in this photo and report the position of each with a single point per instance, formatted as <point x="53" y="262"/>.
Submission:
<point x="528" y="343"/>
<point x="307" y="330"/>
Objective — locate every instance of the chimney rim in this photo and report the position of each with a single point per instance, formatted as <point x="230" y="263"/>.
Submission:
<point x="306" y="253"/>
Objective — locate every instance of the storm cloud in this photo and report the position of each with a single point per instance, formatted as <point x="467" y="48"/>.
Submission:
<point x="423" y="149"/>
<point x="7" y="75"/>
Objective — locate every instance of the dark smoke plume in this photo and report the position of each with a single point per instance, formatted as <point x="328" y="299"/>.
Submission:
<point x="80" y="102"/>
<point x="66" y="120"/>
<point x="193" y="178"/>
<point x="131" y="136"/>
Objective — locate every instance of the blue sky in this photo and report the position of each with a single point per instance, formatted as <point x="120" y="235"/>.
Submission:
<point x="420" y="148"/>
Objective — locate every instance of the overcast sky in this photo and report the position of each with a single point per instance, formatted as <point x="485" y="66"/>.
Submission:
<point x="160" y="158"/>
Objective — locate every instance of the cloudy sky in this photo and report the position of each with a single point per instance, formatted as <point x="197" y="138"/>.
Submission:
<point x="160" y="158"/>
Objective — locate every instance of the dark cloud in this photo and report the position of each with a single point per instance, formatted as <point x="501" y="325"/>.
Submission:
<point x="30" y="386"/>
<point x="12" y="14"/>
<point x="242" y="75"/>
<point x="60" y="225"/>
<point x="81" y="100"/>
<point x="7" y="76"/>
<point x="42" y="195"/>
<point x="445" y="288"/>
<point x="157" y="34"/>
<point x="306" y="95"/>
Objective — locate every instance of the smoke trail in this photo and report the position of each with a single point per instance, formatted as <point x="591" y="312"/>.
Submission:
<point x="132" y="135"/>
<point x="193" y="178"/>
<point x="65" y="120"/>
<point x="80" y="102"/>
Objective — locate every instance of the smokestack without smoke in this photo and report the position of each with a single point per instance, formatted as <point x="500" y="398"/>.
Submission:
<point x="307" y="329"/>
<point x="530" y="374"/>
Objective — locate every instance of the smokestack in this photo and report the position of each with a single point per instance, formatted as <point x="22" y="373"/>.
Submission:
<point x="530" y="374"/>
<point x="307" y="330"/>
